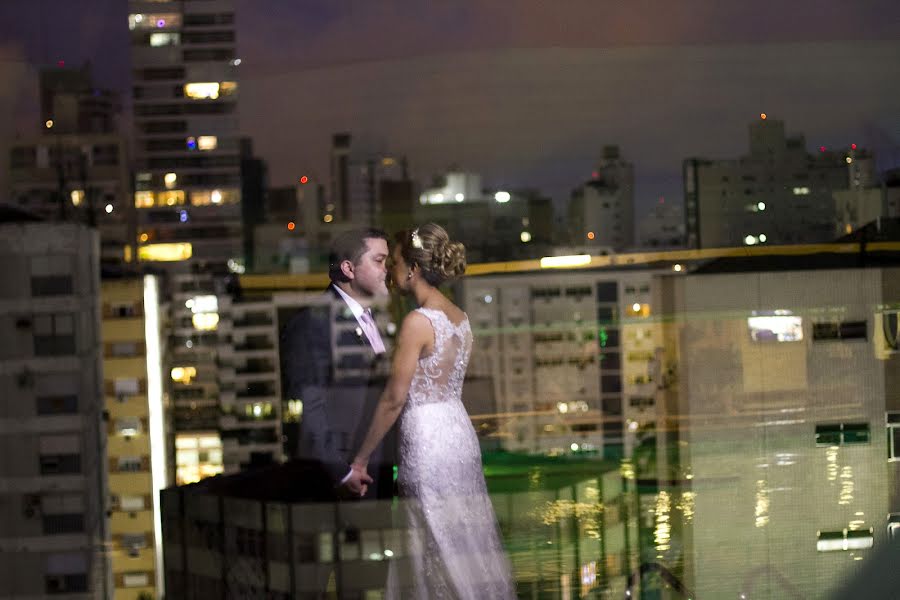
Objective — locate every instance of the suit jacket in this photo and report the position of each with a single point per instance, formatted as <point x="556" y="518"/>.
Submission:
<point x="330" y="366"/>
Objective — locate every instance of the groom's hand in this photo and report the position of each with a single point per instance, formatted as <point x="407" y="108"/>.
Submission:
<point x="358" y="482"/>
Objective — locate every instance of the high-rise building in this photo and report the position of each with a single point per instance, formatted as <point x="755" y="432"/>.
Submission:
<point x="778" y="193"/>
<point x="53" y="532"/>
<point x="137" y="447"/>
<point x="76" y="166"/>
<point x="187" y="146"/>
<point x="572" y="357"/>
<point x="357" y="190"/>
<point x="601" y="211"/>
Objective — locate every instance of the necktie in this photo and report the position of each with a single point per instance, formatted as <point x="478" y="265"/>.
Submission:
<point x="371" y="330"/>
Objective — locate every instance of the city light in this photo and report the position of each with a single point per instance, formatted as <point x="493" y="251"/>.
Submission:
<point x="108" y="208"/>
<point x="304" y="180"/>
<point x="216" y="197"/>
<point x="460" y="197"/>
<point x="77" y="196"/>
<point x="502" y="197"/>
<point x="562" y="262"/>
<point x="763" y="116"/>
<point x="328" y="218"/>
<point x="590" y="235"/>
<point x="49" y="123"/>
<point x="170" y="179"/>
<point x="291" y="225"/>
<point x="525" y="236"/>
<point x="677" y="268"/>
<point x="761" y="205"/>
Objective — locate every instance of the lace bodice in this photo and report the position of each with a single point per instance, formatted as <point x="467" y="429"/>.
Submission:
<point x="439" y="376"/>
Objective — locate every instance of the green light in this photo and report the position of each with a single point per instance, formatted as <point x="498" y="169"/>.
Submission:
<point x="604" y="338"/>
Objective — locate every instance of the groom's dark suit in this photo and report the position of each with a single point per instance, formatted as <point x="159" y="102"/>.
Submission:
<point x="329" y="365"/>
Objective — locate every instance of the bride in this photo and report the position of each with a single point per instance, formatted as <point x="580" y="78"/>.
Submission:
<point x="454" y="545"/>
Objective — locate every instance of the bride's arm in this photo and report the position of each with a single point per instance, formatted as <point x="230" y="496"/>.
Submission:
<point x="415" y="336"/>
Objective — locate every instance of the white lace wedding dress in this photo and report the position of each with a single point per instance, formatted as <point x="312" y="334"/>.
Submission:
<point x="454" y="545"/>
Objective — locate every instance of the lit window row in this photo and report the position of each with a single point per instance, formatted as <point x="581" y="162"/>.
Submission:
<point x="165" y="252"/>
<point x="209" y="90"/>
<point x="153" y="21"/>
<point x="801" y="191"/>
<point x="147" y="199"/>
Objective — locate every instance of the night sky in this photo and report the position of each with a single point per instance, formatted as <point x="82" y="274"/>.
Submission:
<point x="525" y="92"/>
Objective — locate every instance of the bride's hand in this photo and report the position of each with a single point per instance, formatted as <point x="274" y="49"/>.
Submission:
<point x="360" y="466"/>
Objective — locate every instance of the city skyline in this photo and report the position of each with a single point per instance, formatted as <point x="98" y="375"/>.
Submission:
<point x="444" y="103"/>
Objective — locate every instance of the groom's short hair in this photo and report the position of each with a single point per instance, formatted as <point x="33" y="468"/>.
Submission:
<point x="350" y="245"/>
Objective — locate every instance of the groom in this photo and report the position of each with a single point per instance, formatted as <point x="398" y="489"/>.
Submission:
<point x="333" y="353"/>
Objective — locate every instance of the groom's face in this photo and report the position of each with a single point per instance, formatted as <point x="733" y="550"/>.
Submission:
<point x="370" y="270"/>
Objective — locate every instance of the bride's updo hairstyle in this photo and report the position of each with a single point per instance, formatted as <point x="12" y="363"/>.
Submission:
<point x="430" y="248"/>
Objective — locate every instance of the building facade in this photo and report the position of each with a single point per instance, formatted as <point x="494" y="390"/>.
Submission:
<point x="187" y="145"/>
<point x="53" y="532"/>
<point x="137" y="447"/>
<point x="601" y="211"/>
<point x="778" y="193"/>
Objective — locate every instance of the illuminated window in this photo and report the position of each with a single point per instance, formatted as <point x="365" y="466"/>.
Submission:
<point x="201" y="91"/>
<point x="202" y="304"/>
<point x="294" y="410"/>
<point x="801" y="191"/>
<point x="221" y="196"/>
<point x="207" y="142"/>
<point x="144" y="199"/>
<point x="183" y="375"/>
<point x="638" y="310"/>
<point x="153" y="21"/>
<point x="165" y="252"/>
<point x="165" y="39"/>
<point x="170" y="198"/>
<point x="170" y="180"/>
<point x="258" y="410"/>
<point x="197" y="456"/>
<point x="205" y="321"/>
<point x="209" y="90"/>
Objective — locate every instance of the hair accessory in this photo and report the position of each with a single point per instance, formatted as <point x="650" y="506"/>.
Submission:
<point x="415" y="240"/>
